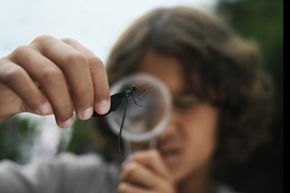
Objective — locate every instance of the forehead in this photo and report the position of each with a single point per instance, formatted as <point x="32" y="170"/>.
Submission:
<point x="166" y="68"/>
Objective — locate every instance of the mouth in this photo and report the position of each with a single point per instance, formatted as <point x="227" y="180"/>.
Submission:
<point x="170" y="154"/>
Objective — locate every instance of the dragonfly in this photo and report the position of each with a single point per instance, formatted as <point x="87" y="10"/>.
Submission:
<point x="123" y="97"/>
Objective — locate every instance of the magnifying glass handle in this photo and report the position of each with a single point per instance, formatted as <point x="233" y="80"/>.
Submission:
<point x="132" y="147"/>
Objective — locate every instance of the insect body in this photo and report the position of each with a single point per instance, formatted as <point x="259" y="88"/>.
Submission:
<point x="116" y="101"/>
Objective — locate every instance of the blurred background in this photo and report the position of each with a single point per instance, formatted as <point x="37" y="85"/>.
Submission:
<point x="98" y="24"/>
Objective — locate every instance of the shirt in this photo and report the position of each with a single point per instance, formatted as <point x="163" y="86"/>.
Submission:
<point x="65" y="173"/>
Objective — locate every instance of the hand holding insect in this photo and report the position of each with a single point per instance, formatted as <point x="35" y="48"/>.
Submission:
<point x="145" y="172"/>
<point x="51" y="76"/>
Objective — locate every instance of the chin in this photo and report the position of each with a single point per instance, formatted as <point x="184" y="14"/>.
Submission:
<point x="178" y="170"/>
<point x="178" y="174"/>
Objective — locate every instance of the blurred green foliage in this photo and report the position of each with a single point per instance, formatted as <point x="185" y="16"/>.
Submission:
<point x="88" y="136"/>
<point x="83" y="138"/>
<point x="261" y="21"/>
<point x="16" y="139"/>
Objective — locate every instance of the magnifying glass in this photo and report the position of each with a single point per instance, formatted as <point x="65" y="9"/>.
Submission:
<point x="147" y="111"/>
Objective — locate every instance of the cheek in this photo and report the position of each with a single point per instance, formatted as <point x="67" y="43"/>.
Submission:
<point x="199" y="133"/>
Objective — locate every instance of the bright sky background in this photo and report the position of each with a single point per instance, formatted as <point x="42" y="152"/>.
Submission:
<point x="95" y="23"/>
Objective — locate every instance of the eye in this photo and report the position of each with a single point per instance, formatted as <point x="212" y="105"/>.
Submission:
<point x="186" y="101"/>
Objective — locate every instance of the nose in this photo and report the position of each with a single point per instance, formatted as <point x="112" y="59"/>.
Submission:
<point x="171" y="128"/>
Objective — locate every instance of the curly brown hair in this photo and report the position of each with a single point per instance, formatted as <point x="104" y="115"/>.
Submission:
<point x="224" y="64"/>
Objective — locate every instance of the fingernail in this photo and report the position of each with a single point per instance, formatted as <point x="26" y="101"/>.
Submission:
<point x="67" y="123"/>
<point x="129" y="166"/>
<point x="122" y="187"/>
<point x="44" y="109"/>
<point x="130" y="157"/>
<point x="125" y="163"/>
<point x="87" y="113"/>
<point x="103" y="106"/>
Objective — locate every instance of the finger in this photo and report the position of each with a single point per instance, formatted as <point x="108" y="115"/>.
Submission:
<point x="130" y="188"/>
<point x="51" y="80"/>
<point x="99" y="76"/>
<point x="153" y="160"/>
<point x="135" y="173"/>
<point x="17" y="79"/>
<point x="76" y="69"/>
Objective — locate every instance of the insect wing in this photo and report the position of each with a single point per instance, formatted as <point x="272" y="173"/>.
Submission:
<point x="116" y="100"/>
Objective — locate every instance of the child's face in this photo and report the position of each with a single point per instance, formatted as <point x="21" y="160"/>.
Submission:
<point x="189" y="140"/>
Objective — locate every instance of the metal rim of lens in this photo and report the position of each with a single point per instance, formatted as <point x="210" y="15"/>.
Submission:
<point x="158" y="128"/>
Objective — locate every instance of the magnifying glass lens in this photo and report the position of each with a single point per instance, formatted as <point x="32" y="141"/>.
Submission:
<point x="146" y="109"/>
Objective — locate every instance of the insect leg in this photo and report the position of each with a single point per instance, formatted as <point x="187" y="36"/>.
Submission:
<point x="141" y="96"/>
<point x="135" y="102"/>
